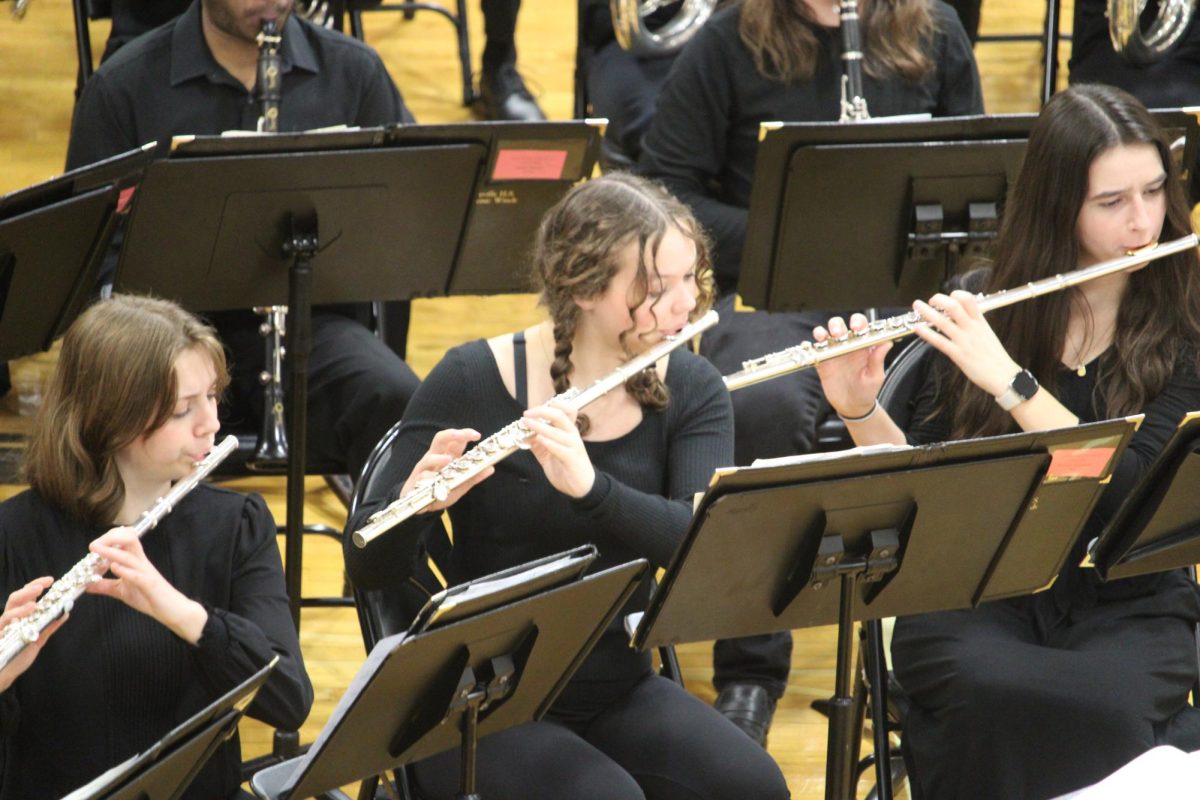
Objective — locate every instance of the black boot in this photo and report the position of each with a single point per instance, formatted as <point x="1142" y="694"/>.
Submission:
<point x="503" y="95"/>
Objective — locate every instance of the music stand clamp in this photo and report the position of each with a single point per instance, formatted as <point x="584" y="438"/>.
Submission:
<point x="884" y="525"/>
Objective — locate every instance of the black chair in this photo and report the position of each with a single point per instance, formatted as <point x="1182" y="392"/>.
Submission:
<point x="457" y="18"/>
<point x="85" y="11"/>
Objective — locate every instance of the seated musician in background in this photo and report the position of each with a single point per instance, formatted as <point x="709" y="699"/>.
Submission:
<point x="1036" y="696"/>
<point x="623" y="87"/>
<point x="753" y="62"/>
<point x="1170" y="80"/>
<point x="620" y="264"/>
<point x="197" y="76"/>
<point x="186" y="613"/>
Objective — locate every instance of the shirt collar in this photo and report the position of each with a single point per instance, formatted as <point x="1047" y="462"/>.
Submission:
<point x="191" y="58"/>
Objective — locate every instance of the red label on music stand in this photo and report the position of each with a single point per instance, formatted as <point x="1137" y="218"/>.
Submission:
<point x="1088" y="462"/>
<point x="529" y="165"/>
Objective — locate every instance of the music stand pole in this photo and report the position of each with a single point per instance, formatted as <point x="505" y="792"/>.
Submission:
<point x="300" y="245"/>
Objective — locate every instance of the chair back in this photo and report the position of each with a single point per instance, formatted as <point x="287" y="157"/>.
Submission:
<point x="383" y="612"/>
<point x="906" y="375"/>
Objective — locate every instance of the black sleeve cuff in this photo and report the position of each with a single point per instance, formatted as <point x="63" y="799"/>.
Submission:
<point x="601" y="489"/>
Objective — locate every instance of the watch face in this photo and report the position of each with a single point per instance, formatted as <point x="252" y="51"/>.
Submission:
<point x="1025" y="384"/>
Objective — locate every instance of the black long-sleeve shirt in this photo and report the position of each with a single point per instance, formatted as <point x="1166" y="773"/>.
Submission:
<point x="639" y="507"/>
<point x="704" y="137"/>
<point x="112" y="681"/>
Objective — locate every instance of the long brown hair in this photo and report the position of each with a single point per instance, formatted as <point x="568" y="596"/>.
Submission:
<point x="115" y="381"/>
<point x="1158" y="322"/>
<point x="781" y="36"/>
<point x="577" y="252"/>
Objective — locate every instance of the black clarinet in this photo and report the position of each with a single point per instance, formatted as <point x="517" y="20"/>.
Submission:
<point x="854" y="105"/>
<point x="269" y="88"/>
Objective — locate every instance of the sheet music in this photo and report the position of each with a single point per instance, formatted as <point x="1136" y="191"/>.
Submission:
<point x="99" y="782"/>
<point x="809" y="458"/>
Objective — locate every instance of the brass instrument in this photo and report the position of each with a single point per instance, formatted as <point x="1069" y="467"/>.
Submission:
<point x="633" y="34"/>
<point x="63" y="593"/>
<point x="1139" y="46"/>
<point x="513" y="437"/>
<point x="269" y="87"/>
<point x="854" y="104"/>
<point x="808" y="354"/>
<point x="316" y="11"/>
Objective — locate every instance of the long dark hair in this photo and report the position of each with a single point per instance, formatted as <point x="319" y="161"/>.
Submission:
<point x="782" y="38"/>
<point x="115" y="381"/>
<point x="1159" y="318"/>
<point x="577" y="252"/>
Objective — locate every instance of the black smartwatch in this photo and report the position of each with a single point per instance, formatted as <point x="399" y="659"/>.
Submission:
<point x="1023" y="387"/>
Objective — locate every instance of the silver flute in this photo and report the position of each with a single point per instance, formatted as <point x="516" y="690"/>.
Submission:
<point x="512" y="437"/>
<point x="61" y="595"/>
<point x="809" y="354"/>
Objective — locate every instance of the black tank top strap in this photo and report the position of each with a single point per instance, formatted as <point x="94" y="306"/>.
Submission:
<point x="520" y="378"/>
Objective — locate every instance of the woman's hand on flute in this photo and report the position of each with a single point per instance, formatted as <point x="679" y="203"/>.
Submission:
<point x="959" y="330"/>
<point x="446" y="446"/>
<point x="21" y="604"/>
<point x="558" y="447"/>
<point x="852" y="381"/>
<point x="137" y="583"/>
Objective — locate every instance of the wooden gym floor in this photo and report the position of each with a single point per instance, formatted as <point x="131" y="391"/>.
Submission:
<point x="37" y="77"/>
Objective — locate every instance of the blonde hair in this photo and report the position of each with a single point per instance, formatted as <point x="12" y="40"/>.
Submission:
<point x="115" y="381"/>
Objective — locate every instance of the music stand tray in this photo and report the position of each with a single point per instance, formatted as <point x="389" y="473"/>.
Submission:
<point x="53" y="237"/>
<point x="163" y="771"/>
<point x="420" y="693"/>
<point x="878" y="532"/>
<point x="1157" y="527"/>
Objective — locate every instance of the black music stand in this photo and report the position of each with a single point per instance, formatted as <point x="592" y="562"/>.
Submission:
<point x="869" y="534"/>
<point x="1157" y="527"/>
<point x="164" y="770"/>
<point x="53" y="237"/>
<point x="421" y="693"/>
<point x="530" y="166"/>
<point x="390" y="220"/>
<point x="878" y="214"/>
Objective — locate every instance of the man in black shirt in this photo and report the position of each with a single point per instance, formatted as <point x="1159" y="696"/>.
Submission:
<point x="196" y="75"/>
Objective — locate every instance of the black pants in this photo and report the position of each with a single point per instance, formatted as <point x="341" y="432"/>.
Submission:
<point x="500" y="32"/>
<point x="656" y="742"/>
<point x="774" y="418"/>
<point x="1005" y="704"/>
<point x="623" y="89"/>
<point x="357" y="387"/>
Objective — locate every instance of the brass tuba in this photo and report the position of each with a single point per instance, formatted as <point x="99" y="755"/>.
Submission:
<point x="633" y="33"/>
<point x="1138" y="46"/>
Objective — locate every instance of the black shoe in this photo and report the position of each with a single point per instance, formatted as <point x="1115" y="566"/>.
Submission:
<point x="503" y="95"/>
<point x="749" y="707"/>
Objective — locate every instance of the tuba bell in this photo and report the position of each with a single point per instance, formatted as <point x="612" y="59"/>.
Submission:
<point x="635" y="35"/>
<point x="1139" y="45"/>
